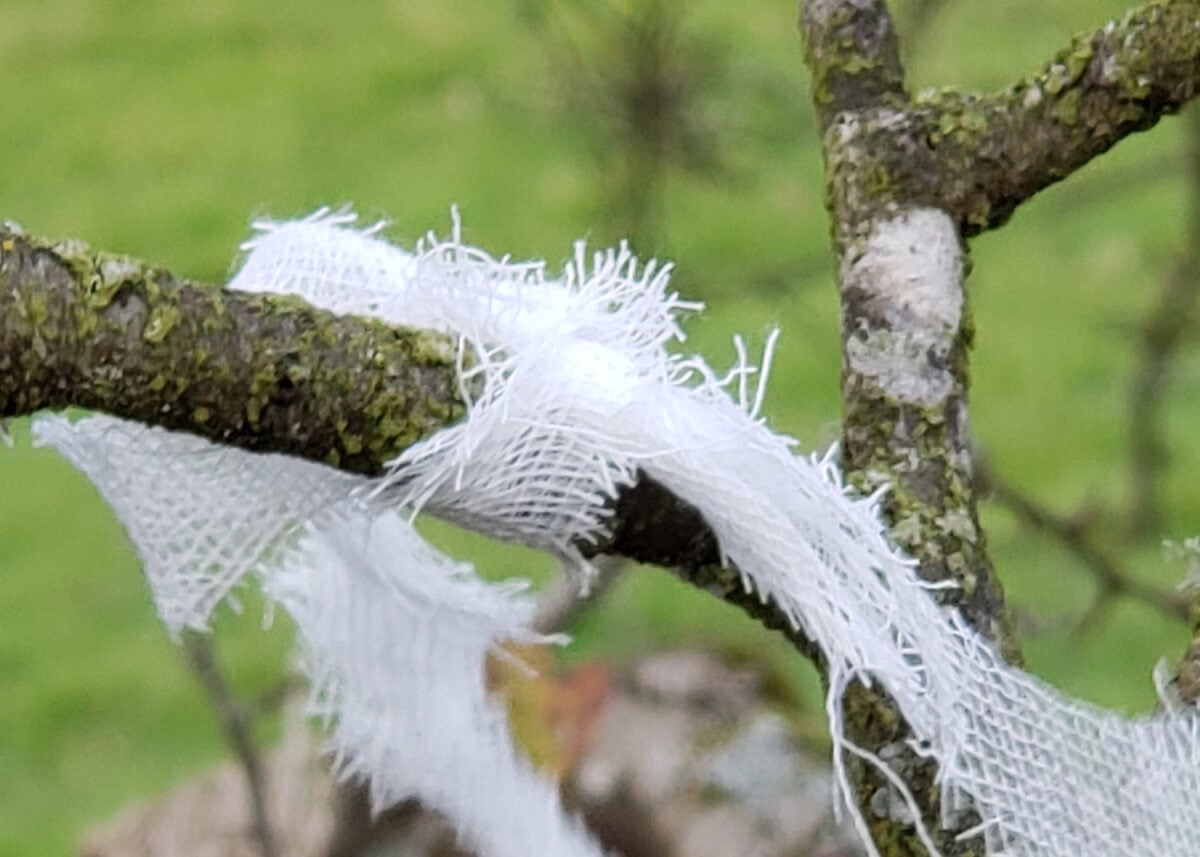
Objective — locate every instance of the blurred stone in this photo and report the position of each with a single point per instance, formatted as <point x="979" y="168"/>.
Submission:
<point x="688" y="746"/>
<point x="678" y="755"/>
<point x="697" y="679"/>
<point x="210" y="815"/>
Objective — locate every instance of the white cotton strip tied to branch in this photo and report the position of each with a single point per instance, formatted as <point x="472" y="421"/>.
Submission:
<point x="571" y="393"/>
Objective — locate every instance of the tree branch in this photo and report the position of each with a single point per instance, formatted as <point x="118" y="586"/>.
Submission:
<point x="978" y="157"/>
<point x="909" y="180"/>
<point x="261" y="372"/>
<point x="1002" y="149"/>
<point x="651" y="525"/>
<point x="1187" y="674"/>
<point x="853" y="55"/>
<point x="1162" y="335"/>
<point x="906" y="335"/>
<point x="1112" y="578"/>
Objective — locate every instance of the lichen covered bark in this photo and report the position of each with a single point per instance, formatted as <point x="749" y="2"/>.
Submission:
<point x="906" y="334"/>
<point x="104" y="332"/>
<point x="975" y="159"/>
<point x="1187" y="674"/>
<point x="852" y="54"/>
<point x="909" y="179"/>
<point x="906" y="337"/>
<point x="1098" y="90"/>
<point x="979" y="156"/>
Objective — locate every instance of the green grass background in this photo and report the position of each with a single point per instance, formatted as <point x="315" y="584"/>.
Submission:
<point x="158" y="129"/>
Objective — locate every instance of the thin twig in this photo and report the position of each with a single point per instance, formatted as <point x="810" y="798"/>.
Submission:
<point x="235" y="728"/>
<point x="1187" y="674"/>
<point x="1076" y="535"/>
<point x="1163" y="334"/>
<point x="561" y="602"/>
<point x="638" y="76"/>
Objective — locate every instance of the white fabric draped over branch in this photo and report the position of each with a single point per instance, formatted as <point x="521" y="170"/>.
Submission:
<point x="577" y="392"/>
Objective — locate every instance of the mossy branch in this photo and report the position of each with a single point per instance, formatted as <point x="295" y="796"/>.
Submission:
<point x="264" y="373"/>
<point x="853" y="55"/>
<point x="1099" y="89"/>
<point x="906" y="336"/>
<point x="979" y="156"/>
<point x="901" y="172"/>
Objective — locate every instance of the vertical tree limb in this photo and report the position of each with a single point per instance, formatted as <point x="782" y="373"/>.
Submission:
<point x="908" y="181"/>
<point x="906" y="332"/>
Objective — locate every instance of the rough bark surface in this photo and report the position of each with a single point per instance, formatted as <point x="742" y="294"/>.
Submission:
<point x="93" y="330"/>
<point x="109" y="333"/>
<point x="979" y="156"/>
<point x="905" y="338"/>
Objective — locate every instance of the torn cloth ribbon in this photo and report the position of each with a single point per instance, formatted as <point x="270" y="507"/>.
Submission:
<point x="575" y="393"/>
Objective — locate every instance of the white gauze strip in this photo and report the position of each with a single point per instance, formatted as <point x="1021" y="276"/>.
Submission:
<point x="599" y="379"/>
<point x="394" y="636"/>
<point x="578" y="392"/>
<point x="200" y="515"/>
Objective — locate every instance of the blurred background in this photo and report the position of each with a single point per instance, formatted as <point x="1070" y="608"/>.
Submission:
<point x="160" y="129"/>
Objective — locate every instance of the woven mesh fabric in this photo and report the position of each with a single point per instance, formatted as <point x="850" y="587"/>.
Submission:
<point x="530" y="464"/>
<point x="370" y="636"/>
<point x="574" y="391"/>
<point x="201" y="516"/>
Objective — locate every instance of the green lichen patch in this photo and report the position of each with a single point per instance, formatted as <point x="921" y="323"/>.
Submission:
<point x="162" y="319"/>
